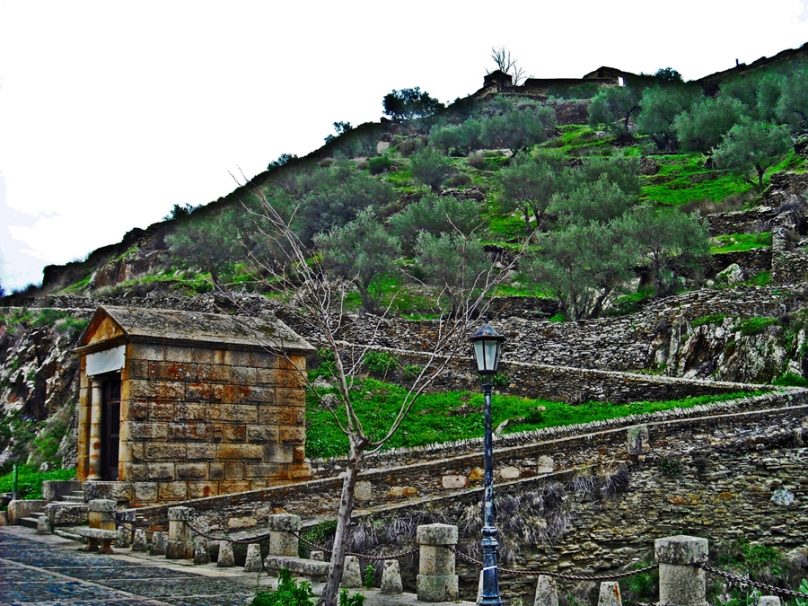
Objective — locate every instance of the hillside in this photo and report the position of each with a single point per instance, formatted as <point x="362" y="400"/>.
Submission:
<point x="644" y="239"/>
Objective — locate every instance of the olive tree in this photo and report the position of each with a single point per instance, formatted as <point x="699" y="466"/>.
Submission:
<point x="669" y="241"/>
<point x="431" y="167"/>
<point x="528" y="185"/>
<point x="753" y="146"/>
<point x="659" y="107"/>
<point x="582" y="265"/>
<point x="614" y="106"/>
<point x="435" y="215"/>
<point x="792" y="106"/>
<point x="409" y="104"/>
<point x="208" y="242"/>
<point x="590" y="202"/>
<point x="359" y="264"/>
<point x="702" y="127"/>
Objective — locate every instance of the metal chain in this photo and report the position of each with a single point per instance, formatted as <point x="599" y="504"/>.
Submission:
<point x="556" y="575"/>
<point x="379" y="558"/>
<point x="212" y="537"/>
<point x="742" y="580"/>
<point x="134" y="524"/>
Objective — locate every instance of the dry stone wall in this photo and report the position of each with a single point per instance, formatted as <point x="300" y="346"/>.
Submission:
<point x="715" y="479"/>
<point x="751" y="261"/>
<point x="619" y="343"/>
<point x="402" y="476"/>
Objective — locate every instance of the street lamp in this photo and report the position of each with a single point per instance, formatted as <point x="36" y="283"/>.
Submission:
<point x="487" y="348"/>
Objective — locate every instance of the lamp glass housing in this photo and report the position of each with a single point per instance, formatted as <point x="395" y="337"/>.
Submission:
<point x="487" y="349"/>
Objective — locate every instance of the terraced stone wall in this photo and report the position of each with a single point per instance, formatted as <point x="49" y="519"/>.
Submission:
<point x="395" y="478"/>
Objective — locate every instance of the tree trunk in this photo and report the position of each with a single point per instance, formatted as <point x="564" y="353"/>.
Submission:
<point x="330" y="594"/>
<point x="760" y="173"/>
<point x="539" y="216"/>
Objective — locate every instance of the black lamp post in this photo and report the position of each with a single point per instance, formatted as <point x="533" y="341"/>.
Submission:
<point x="487" y="348"/>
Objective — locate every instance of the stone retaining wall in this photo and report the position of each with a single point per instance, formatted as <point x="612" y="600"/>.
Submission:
<point x="574" y="385"/>
<point x="724" y="481"/>
<point x="751" y="261"/>
<point x="619" y="343"/>
<point x="446" y="472"/>
<point x="741" y="221"/>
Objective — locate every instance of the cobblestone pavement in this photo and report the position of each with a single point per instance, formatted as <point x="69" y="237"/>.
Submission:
<point x="50" y="571"/>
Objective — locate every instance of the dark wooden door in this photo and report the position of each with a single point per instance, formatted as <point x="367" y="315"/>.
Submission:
<point x="111" y="428"/>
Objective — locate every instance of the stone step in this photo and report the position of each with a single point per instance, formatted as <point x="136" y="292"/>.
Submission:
<point x="69" y="532"/>
<point x="72" y="498"/>
<point x="67" y="513"/>
<point x="29" y="521"/>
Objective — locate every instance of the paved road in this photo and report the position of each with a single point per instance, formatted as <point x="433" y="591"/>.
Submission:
<point x="50" y="571"/>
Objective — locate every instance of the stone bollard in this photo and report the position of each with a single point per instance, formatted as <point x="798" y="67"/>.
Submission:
<point x="768" y="600"/>
<point x="546" y="592"/>
<point x="124" y="535"/>
<point x="101" y="514"/>
<point x="159" y="541"/>
<point x="139" y="543"/>
<point x="283" y="531"/>
<point x="317" y="555"/>
<point x="391" y="578"/>
<point x="225" y="559"/>
<point x="680" y="582"/>
<point x="351" y="573"/>
<point x="437" y="581"/>
<point x="610" y="594"/>
<point x="43" y="525"/>
<point x="180" y="544"/>
<point x="201" y="555"/>
<point x="254" y="562"/>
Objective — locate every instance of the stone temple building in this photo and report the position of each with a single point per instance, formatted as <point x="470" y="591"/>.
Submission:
<point x="177" y="405"/>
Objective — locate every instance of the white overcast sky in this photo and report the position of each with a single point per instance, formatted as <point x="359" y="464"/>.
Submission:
<point x="112" y="111"/>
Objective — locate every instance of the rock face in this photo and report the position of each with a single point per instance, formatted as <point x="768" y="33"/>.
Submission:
<point x="38" y="387"/>
<point x="724" y="351"/>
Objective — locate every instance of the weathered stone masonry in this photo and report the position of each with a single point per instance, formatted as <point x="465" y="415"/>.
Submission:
<point x="197" y="417"/>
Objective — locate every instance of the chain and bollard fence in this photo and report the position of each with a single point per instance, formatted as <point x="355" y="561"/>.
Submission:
<point x="682" y="562"/>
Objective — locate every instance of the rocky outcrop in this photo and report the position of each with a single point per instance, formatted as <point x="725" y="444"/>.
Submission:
<point x="38" y="392"/>
<point x="724" y="351"/>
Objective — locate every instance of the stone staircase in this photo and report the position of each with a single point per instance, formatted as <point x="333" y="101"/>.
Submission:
<point x="63" y="505"/>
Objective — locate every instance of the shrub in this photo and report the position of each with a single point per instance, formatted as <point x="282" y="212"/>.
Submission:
<point x="500" y="380"/>
<point x="353" y="599"/>
<point x="790" y="379"/>
<point x="411" y="370"/>
<point x="670" y="466"/>
<point x="476" y="159"/>
<point x="756" y="325"/>
<point x="380" y="362"/>
<point x="379" y="164"/>
<point x="369" y="576"/>
<point x="289" y="593"/>
<point x="431" y="167"/>
<point x="325" y="363"/>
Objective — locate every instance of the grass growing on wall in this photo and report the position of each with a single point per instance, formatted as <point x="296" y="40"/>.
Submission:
<point x="727" y="243"/>
<point x="683" y="178"/>
<point x="456" y="415"/>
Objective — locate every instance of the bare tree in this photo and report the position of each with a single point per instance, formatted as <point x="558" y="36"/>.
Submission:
<point x="319" y="304"/>
<point x="507" y="64"/>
